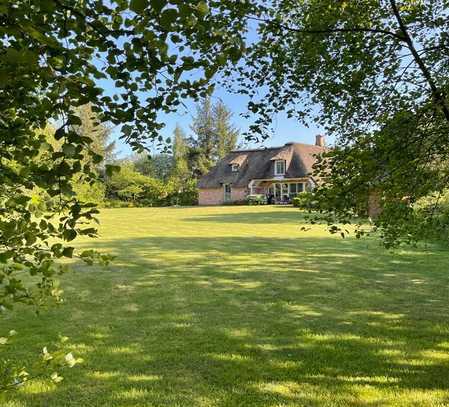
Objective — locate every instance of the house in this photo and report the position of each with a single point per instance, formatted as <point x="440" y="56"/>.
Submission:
<point x="279" y="172"/>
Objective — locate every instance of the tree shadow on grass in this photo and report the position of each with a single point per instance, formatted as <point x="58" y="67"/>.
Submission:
<point x="235" y="321"/>
<point x="256" y="217"/>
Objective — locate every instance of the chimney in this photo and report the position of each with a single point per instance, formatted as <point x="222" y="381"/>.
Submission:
<point x="319" y="140"/>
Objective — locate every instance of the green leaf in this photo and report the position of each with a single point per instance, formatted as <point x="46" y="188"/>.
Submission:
<point x="68" y="252"/>
<point x="112" y="169"/>
<point x="70" y="360"/>
<point x="158" y="5"/>
<point x="69" y="150"/>
<point x="138" y="6"/>
<point x="168" y="17"/>
<point x="60" y="133"/>
<point x="203" y="8"/>
<point x="46" y="356"/>
<point x="39" y="36"/>
<point x="74" y="120"/>
<point x="69" y="234"/>
<point x="56" y="378"/>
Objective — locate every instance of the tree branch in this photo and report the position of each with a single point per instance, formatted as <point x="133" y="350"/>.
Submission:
<point x="437" y="94"/>
<point x="330" y="30"/>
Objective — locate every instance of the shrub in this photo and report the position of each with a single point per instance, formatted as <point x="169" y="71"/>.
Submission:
<point x="304" y="200"/>
<point x="154" y="192"/>
<point x="89" y="192"/>
<point x="131" y="186"/>
<point x="183" y="193"/>
<point x="432" y="214"/>
<point x="256" y="199"/>
<point x="116" y="203"/>
<point x="141" y="190"/>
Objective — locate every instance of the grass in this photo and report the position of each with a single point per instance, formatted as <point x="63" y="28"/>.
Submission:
<point x="235" y="306"/>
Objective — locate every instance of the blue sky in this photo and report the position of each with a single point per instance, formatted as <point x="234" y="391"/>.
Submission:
<point x="285" y="129"/>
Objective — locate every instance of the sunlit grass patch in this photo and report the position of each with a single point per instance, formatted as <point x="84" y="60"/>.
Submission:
<point x="236" y="306"/>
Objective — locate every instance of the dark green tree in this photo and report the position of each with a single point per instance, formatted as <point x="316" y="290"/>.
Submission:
<point x="157" y="166"/>
<point x="226" y="134"/>
<point x="374" y="74"/>
<point x="203" y="140"/>
<point x="213" y="135"/>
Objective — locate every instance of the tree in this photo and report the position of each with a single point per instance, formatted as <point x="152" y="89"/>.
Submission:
<point x="91" y="127"/>
<point x="204" y="136"/>
<point x="225" y="132"/>
<point x="375" y="75"/>
<point x="156" y="166"/>
<point x="180" y="164"/>
<point x="214" y="135"/>
<point x="54" y="54"/>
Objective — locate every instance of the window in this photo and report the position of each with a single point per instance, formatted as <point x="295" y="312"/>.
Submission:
<point x="279" y="167"/>
<point x="234" y="167"/>
<point x="295" y="189"/>
<point x="227" y="192"/>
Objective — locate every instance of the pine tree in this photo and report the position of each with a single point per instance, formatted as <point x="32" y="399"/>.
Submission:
<point x="226" y="134"/>
<point x="204" y="140"/>
<point x="214" y="135"/>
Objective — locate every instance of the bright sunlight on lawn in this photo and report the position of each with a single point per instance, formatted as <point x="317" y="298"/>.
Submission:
<point x="235" y="306"/>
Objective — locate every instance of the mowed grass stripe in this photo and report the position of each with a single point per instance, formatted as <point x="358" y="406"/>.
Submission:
<point x="236" y="306"/>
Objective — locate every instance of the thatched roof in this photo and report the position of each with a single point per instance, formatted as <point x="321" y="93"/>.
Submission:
<point x="239" y="159"/>
<point x="259" y="164"/>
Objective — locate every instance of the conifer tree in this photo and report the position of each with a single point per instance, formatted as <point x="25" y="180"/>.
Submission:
<point x="180" y="166"/>
<point x="214" y="134"/>
<point x="226" y="133"/>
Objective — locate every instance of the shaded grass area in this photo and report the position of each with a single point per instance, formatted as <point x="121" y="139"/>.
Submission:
<point x="235" y="306"/>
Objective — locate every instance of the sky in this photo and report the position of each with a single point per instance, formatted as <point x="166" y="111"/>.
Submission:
<point x="284" y="129"/>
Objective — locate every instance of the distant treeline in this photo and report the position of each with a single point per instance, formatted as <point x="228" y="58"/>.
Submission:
<point x="168" y="178"/>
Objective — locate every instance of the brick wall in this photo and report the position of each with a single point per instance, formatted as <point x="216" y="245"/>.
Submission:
<point x="215" y="196"/>
<point x="238" y="194"/>
<point x="210" y="196"/>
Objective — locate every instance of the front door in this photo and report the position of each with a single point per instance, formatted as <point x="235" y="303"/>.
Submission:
<point x="280" y="192"/>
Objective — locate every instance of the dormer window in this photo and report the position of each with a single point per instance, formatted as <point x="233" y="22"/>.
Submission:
<point x="279" y="167"/>
<point x="234" y="167"/>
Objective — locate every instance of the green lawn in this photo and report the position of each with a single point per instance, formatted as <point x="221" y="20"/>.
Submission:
<point x="235" y="306"/>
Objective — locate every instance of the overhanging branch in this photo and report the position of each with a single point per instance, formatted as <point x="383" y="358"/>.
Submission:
<point x="330" y="30"/>
<point x="437" y="94"/>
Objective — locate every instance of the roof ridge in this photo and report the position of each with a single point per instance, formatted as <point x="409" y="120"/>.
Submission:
<point x="274" y="147"/>
<point x="254" y="149"/>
